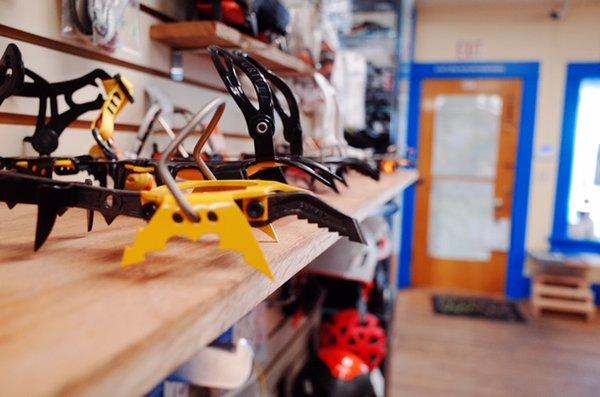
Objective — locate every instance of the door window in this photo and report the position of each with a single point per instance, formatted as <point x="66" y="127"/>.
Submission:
<point x="577" y="207"/>
<point x="463" y="173"/>
<point x="584" y="190"/>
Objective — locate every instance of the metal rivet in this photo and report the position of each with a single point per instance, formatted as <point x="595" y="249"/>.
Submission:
<point x="148" y="210"/>
<point x="255" y="209"/>
<point x="262" y="127"/>
<point x="109" y="201"/>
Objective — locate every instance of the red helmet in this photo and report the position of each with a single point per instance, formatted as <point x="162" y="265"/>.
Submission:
<point x="366" y="338"/>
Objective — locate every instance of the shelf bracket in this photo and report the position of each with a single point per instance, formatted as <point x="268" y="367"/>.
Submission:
<point x="176" y="69"/>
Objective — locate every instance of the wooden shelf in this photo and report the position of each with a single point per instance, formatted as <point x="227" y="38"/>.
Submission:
<point x="73" y="322"/>
<point x="198" y="35"/>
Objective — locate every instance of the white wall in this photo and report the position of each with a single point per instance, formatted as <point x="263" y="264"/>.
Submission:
<point x="520" y="32"/>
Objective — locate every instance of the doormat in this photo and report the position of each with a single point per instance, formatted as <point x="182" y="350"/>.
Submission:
<point x="478" y="307"/>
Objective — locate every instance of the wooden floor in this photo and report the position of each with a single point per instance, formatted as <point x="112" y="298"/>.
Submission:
<point x="436" y="355"/>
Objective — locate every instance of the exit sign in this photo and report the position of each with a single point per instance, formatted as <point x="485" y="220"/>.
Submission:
<point x="469" y="49"/>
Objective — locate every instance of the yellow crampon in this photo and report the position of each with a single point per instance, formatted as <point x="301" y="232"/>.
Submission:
<point x="142" y="178"/>
<point x="269" y="230"/>
<point x="216" y="204"/>
<point x="261" y="166"/>
<point x="119" y="92"/>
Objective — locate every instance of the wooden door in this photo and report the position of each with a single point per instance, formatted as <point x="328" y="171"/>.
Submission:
<point x="468" y="145"/>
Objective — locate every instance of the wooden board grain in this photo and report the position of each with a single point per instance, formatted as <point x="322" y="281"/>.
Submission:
<point x="73" y="322"/>
<point x="198" y="35"/>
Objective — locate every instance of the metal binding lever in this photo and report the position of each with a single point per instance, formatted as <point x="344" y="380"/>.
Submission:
<point x="12" y="72"/>
<point x="265" y="163"/>
<point x="161" y="111"/>
<point x="260" y="121"/>
<point x="292" y="128"/>
<point x="217" y="106"/>
<point x="210" y="128"/>
<point x="119" y="92"/>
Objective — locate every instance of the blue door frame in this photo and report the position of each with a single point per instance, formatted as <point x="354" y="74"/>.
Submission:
<point x="517" y="286"/>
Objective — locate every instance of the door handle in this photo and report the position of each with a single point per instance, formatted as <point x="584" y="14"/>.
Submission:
<point x="498" y="202"/>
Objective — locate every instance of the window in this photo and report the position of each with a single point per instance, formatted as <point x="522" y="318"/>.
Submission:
<point x="577" y="211"/>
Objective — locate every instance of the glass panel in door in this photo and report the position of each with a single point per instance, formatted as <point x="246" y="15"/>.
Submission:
<point x="464" y="162"/>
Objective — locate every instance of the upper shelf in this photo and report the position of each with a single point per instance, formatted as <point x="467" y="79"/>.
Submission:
<point x="73" y="322"/>
<point x="198" y="35"/>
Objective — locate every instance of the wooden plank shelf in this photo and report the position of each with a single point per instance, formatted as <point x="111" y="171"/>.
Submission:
<point x="198" y="35"/>
<point x="73" y="322"/>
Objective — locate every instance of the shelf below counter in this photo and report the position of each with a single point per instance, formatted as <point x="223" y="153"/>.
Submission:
<point x="73" y="322"/>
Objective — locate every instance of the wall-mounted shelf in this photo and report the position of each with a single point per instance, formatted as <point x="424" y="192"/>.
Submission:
<point x="198" y="35"/>
<point x="73" y="322"/>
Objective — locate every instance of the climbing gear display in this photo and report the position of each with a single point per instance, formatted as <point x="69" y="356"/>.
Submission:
<point x="48" y="129"/>
<point x="46" y="166"/>
<point x="108" y="24"/>
<point x="292" y="130"/>
<point x="237" y="13"/>
<point x="265" y="163"/>
<point x="292" y="127"/>
<point x="232" y="249"/>
<point x="264" y="19"/>
<point x="330" y="135"/>
<point x="139" y="174"/>
<point x="106" y="17"/>
<point x="45" y="139"/>
<point x="212" y="207"/>
<point x="160" y="113"/>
